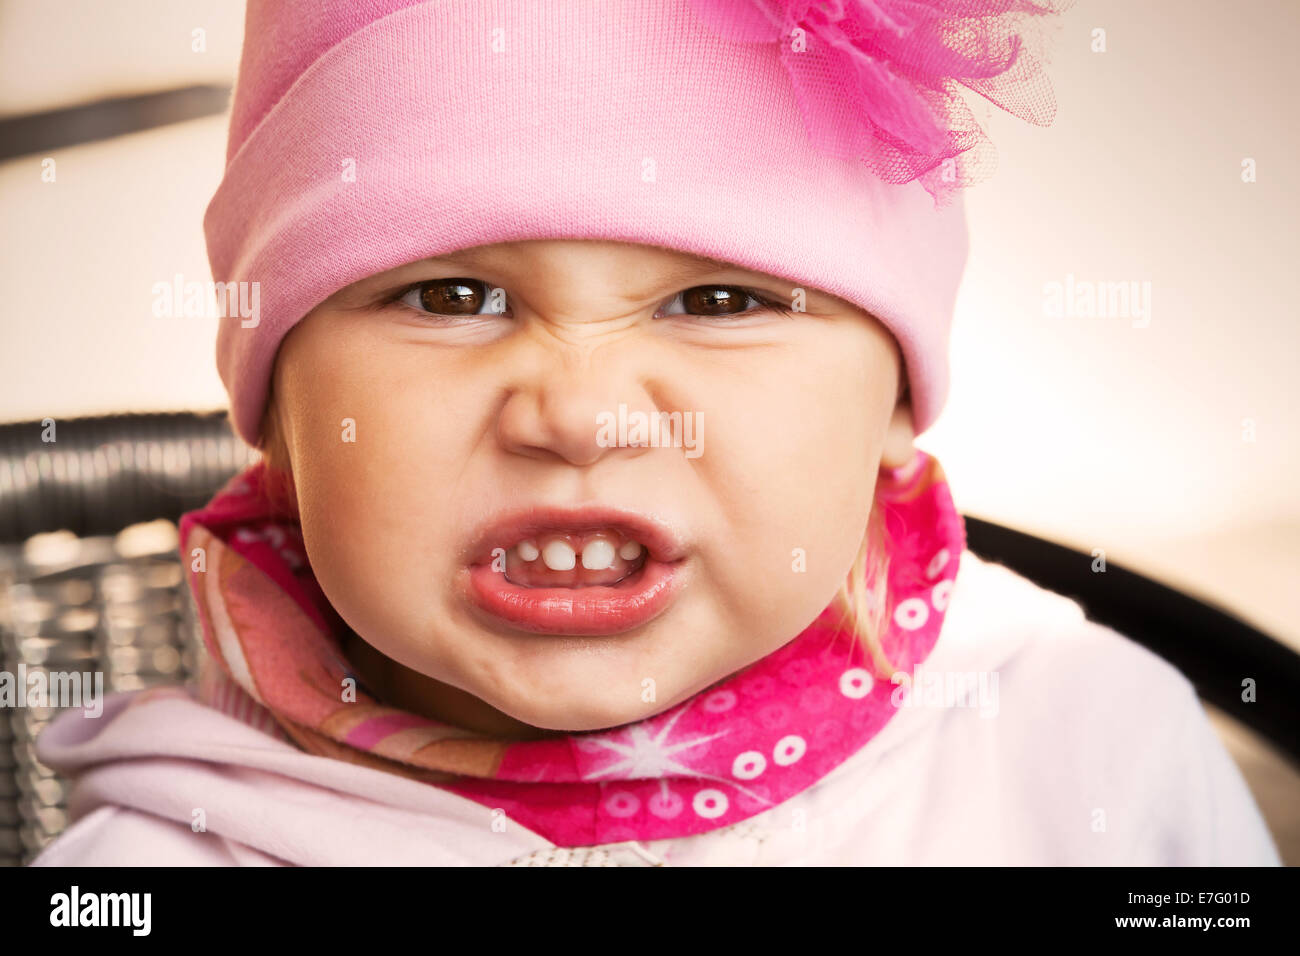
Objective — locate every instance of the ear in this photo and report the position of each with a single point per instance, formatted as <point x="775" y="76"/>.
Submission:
<point x="899" y="436"/>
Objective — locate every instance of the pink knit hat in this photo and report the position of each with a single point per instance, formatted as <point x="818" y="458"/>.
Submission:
<point x="819" y="141"/>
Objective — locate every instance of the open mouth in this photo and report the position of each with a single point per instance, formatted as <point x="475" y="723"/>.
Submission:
<point x="587" y="572"/>
<point x="574" y="560"/>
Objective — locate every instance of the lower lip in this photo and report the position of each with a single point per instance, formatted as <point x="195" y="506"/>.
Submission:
<point x="588" y="611"/>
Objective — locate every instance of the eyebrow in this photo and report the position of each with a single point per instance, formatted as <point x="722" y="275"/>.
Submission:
<point x="695" y="264"/>
<point x="701" y="266"/>
<point x="472" y="256"/>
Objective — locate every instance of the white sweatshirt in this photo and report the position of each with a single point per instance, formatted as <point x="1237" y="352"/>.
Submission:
<point x="1087" y="750"/>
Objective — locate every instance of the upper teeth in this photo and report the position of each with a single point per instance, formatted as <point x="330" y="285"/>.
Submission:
<point x="598" y="555"/>
<point x="559" y="555"/>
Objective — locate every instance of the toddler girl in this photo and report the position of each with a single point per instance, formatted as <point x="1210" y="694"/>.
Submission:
<point x="594" y="338"/>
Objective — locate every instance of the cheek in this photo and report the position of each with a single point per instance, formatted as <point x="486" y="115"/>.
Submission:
<point x="792" y="464"/>
<point x="376" y="459"/>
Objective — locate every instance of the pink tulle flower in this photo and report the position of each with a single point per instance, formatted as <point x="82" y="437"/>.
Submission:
<point x="878" y="80"/>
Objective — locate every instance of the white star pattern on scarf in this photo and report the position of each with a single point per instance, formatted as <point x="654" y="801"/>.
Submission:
<point x="651" y="756"/>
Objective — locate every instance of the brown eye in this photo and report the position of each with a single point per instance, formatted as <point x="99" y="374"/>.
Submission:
<point x="715" y="300"/>
<point x="454" y="297"/>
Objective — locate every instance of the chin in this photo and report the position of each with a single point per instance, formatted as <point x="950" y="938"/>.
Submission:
<point x="577" y="712"/>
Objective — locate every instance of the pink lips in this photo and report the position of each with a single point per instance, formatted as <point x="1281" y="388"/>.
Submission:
<point x="586" y="611"/>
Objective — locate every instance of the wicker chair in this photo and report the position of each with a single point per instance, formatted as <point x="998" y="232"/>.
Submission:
<point x="90" y="581"/>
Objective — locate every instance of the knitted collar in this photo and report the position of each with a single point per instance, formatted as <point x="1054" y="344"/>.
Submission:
<point x="733" y="750"/>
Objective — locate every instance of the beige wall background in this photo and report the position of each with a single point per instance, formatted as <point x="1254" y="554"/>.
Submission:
<point x="1095" y="431"/>
<point x="1092" y="431"/>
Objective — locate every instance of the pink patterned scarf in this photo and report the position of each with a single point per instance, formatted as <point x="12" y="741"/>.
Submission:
<point x="735" y="749"/>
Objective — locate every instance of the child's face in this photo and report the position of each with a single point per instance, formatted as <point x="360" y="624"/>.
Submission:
<point x="467" y="415"/>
